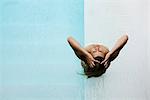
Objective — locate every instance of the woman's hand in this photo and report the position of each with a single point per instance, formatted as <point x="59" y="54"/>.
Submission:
<point x="90" y="60"/>
<point x="106" y="61"/>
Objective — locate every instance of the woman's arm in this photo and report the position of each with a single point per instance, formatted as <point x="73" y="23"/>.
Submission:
<point x="81" y="52"/>
<point x="110" y="56"/>
<point x="118" y="46"/>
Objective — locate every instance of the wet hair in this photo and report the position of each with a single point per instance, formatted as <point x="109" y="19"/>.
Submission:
<point x="98" y="69"/>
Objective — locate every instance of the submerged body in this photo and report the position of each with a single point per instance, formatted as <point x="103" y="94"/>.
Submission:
<point x="96" y="58"/>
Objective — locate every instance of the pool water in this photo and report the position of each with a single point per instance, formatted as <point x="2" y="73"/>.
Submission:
<point x="36" y="61"/>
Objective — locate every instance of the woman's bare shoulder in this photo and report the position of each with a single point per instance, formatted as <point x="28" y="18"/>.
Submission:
<point x="89" y="46"/>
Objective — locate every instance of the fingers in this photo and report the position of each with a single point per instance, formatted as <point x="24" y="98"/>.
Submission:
<point x="92" y="64"/>
<point x="103" y="61"/>
<point x="105" y="64"/>
<point x="96" y="61"/>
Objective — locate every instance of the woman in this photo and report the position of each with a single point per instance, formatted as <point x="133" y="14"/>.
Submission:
<point x="96" y="58"/>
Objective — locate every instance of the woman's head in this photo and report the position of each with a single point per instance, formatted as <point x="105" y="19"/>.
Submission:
<point x="98" y="69"/>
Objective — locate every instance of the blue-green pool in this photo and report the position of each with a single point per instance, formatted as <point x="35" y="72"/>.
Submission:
<point x="36" y="60"/>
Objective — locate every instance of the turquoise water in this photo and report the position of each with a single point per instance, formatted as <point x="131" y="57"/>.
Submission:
<point x="36" y="61"/>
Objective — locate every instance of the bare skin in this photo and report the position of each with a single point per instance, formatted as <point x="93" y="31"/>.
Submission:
<point x="88" y="53"/>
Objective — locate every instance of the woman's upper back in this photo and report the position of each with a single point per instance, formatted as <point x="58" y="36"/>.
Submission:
<point x="93" y="48"/>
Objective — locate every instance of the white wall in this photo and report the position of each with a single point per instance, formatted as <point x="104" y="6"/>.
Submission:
<point x="127" y="78"/>
<point x="148" y="37"/>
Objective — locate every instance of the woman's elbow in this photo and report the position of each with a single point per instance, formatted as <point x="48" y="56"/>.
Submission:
<point x="69" y="38"/>
<point x="126" y="37"/>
